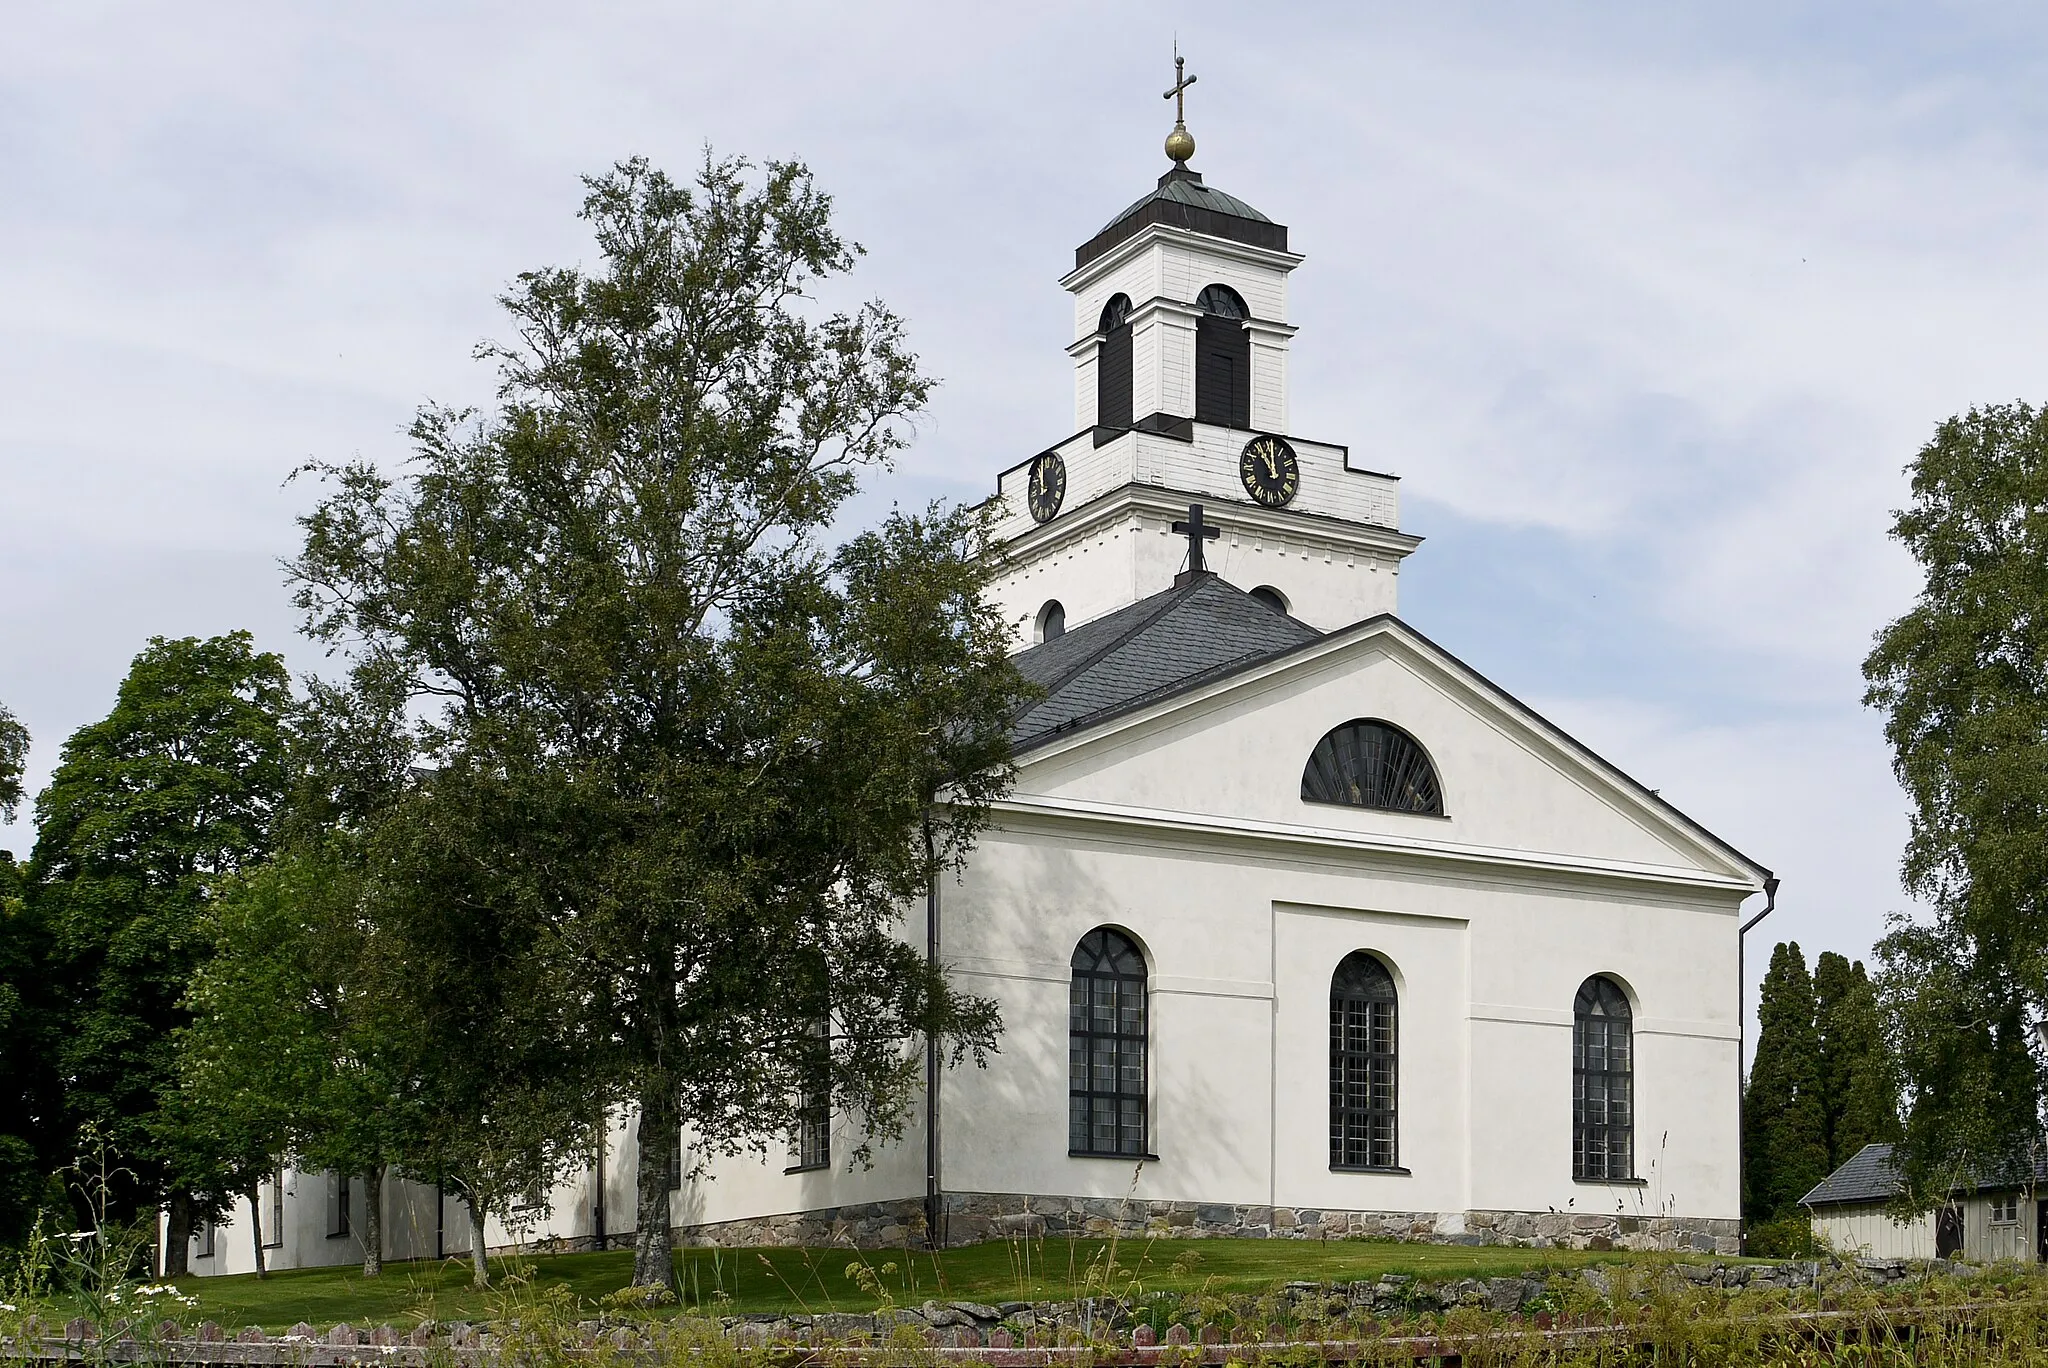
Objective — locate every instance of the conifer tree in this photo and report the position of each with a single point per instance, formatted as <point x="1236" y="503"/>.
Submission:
<point x="1784" y="1130"/>
<point x="1859" y="1102"/>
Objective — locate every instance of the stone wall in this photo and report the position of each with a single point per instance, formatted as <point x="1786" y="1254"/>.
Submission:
<point x="971" y="1217"/>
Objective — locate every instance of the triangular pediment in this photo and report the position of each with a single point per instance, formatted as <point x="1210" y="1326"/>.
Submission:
<point x="1226" y="747"/>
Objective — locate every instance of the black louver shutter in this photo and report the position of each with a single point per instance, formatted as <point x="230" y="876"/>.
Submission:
<point x="1113" y="379"/>
<point x="1223" y="362"/>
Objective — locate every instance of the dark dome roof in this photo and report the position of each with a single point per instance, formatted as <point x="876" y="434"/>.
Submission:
<point x="1184" y="202"/>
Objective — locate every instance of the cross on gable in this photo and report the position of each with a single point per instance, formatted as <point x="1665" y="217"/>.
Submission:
<point x="1196" y="532"/>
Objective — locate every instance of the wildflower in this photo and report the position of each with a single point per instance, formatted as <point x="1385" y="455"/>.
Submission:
<point x="8" y="1306"/>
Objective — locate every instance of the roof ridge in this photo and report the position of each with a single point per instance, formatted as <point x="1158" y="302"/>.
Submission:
<point x="1088" y="662"/>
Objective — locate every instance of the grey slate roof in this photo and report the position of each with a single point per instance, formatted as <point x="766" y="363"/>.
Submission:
<point x="1868" y="1176"/>
<point x="1865" y="1176"/>
<point x="1151" y="650"/>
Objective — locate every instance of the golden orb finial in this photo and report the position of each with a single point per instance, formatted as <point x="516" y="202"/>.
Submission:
<point x="1180" y="144"/>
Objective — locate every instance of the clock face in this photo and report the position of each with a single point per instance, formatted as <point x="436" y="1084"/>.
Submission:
<point x="1047" y="487"/>
<point x="1271" y="474"/>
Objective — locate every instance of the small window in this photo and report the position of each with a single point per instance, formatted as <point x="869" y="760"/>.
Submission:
<point x="1371" y="764"/>
<point x="1603" y="1083"/>
<point x="202" y="1240"/>
<point x="1115" y="313"/>
<point x="1052" y="621"/>
<point x="1271" y="597"/>
<point x="273" y="1234"/>
<point x="675" y="1167"/>
<point x="1106" y="1048"/>
<point x="2005" y="1210"/>
<point x="1364" y="1072"/>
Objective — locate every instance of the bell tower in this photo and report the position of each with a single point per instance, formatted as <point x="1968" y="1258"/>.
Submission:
<point x="1180" y="392"/>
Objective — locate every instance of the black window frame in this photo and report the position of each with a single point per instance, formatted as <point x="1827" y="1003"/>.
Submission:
<point x="1603" y="1092"/>
<point x="1368" y="762"/>
<point x="1365" y="1066"/>
<point x="810" y="1134"/>
<point x="1110" y="983"/>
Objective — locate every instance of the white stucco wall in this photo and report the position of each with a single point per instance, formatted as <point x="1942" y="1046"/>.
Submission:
<point x="1183" y="825"/>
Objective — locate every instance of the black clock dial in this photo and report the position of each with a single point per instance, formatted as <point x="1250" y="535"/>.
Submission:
<point x="1270" y="472"/>
<point x="1047" y="487"/>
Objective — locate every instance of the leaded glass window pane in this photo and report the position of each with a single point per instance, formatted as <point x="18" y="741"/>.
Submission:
<point x="1364" y="1065"/>
<point x="1372" y="764"/>
<point x="1603" y="1083"/>
<point x="1106" y="1047"/>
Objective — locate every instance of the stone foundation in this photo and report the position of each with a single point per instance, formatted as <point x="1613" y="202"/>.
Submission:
<point x="971" y="1217"/>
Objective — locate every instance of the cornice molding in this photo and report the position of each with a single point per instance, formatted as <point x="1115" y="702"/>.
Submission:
<point x="1317" y="530"/>
<point x="1159" y="234"/>
<point x="1206" y="830"/>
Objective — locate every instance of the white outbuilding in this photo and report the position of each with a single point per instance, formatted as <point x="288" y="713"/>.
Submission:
<point x="1299" y="926"/>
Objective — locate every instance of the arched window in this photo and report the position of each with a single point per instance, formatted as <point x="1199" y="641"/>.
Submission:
<point x="1223" y="359"/>
<point x="1364" y="1073"/>
<point x="1222" y="301"/>
<point x="1113" y="365"/>
<point x="1603" y="1083"/>
<point x="1366" y="763"/>
<point x="1052" y="621"/>
<point x="1106" y="1047"/>
<point x="1271" y="597"/>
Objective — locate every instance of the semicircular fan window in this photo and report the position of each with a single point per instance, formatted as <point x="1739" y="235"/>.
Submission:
<point x="1371" y="764"/>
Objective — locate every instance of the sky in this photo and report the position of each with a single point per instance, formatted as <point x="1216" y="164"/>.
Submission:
<point x="1649" y="306"/>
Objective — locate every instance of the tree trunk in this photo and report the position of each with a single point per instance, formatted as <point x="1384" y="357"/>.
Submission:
<point x="256" y="1230"/>
<point x="178" y="1235"/>
<point x="659" y="1132"/>
<point x="373" y="1222"/>
<point x="476" y="1241"/>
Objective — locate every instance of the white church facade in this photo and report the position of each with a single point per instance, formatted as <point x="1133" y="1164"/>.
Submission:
<point x="1298" y="926"/>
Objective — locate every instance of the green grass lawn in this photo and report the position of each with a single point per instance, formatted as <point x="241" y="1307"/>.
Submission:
<point x="795" y="1280"/>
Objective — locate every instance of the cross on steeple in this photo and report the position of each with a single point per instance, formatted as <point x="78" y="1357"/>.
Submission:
<point x="1197" y="532"/>
<point x="1180" y="84"/>
<point x="1180" y="144"/>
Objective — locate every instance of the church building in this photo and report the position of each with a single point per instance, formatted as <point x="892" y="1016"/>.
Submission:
<point x="1298" y="925"/>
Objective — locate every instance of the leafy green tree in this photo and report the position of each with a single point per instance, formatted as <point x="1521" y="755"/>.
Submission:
<point x="258" y="1057"/>
<point x="1962" y="679"/>
<point x="32" y="1129"/>
<point x="33" y="1133"/>
<point x="1859" y="1099"/>
<point x="1784" y="1136"/>
<point x="148" y="811"/>
<point x="13" y="758"/>
<point x="691" y="760"/>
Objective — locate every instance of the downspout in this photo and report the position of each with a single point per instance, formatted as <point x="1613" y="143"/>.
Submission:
<point x="1742" y="1030"/>
<point x="603" y="1133"/>
<point x="933" y="1215"/>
